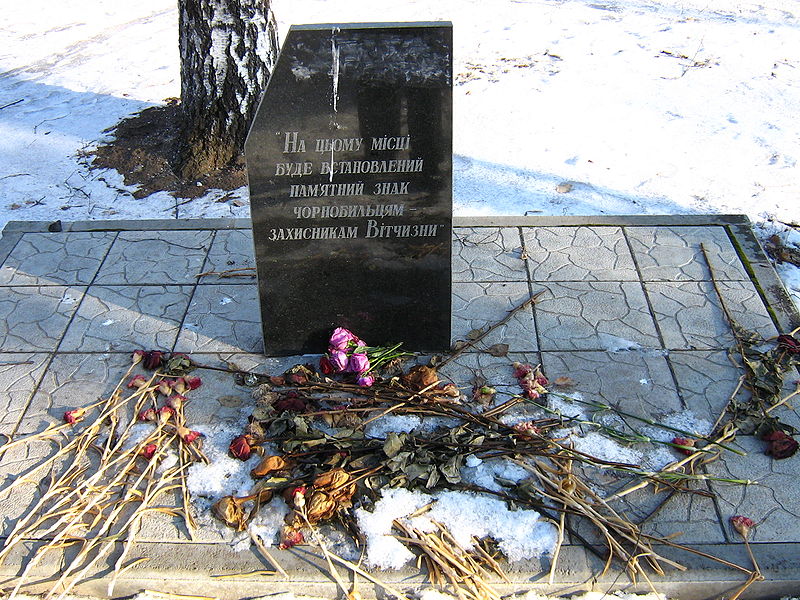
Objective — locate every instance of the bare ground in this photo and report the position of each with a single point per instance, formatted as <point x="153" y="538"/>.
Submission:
<point x="143" y="151"/>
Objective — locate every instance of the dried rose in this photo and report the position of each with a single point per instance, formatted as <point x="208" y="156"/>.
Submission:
<point x="788" y="343"/>
<point x="366" y="380"/>
<point x="191" y="436"/>
<point x="138" y="356"/>
<point x="269" y="464"/>
<point x="542" y="380"/>
<point x="240" y="447"/>
<point x="296" y="378"/>
<point x="743" y="525"/>
<point x="781" y="445"/>
<point x="527" y="428"/>
<point x="179" y="386"/>
<point x="277" y="380"/>
<point x="148" y="414"/>
<point x="176" y="401"/>
<point x="153" y="359"/>
<point x="341" y="338"/>
<point x="420" y="377"/>
<point x="137" y="382"/>
<point x="290" y="537"/>
<point x="165" y="413"/>
<point x="192" y="381"/>
<point x="521" y="369"/>
<point x="230" y="511"/>
<point x="74" y="416"/>
<point x="149" y="451"/>
<point x="320" y="507"/>
<point x="358" y="363"/>
<point x="299" y="496"/>
<point x="339" y="360"/>
<point x="325" y="366"/>
<point x="686" y="443"/>
<point x="164" y="387"/>
<point x="291" y="402"/>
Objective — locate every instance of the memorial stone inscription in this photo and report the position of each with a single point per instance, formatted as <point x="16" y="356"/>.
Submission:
<point x="350" y="168"/>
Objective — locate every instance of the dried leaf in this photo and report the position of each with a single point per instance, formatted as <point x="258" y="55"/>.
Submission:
<point x="420" y="377"/>
<point x="393" y="444"/>
<point x="230" y="511"/>
<point x="269" y="464"/>
<point x="459" y="345"/>
<point x="498" y="350"/>
<point x="564" y="381"/>
<point x="475" y="334"/>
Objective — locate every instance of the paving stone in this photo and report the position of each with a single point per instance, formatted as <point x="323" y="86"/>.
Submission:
<point x="578" y="254"/>
<point x="594" y="316"/>
<point x="480" y="305"/>
<point x="222" y="318"/>
<point x="690" y="317"/>
<point x="19" y="376"/>
<point x="73" y="381"/>
<point x="674" y="254"/>
<point x="232" y="249"/>
<point x="158" y="257"/>
<point x="637" y="382"/>
<point x="34" y="318"/>
<point x="488" y="254"/>
<point x="772" y="502"/>
<point x="126" y="318"/>
<point x="56" y="258"/>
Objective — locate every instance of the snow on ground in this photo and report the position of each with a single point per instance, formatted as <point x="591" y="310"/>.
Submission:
<point x="643" y="106"/>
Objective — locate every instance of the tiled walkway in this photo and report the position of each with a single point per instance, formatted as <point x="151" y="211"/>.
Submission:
<point x="630" y="313"/>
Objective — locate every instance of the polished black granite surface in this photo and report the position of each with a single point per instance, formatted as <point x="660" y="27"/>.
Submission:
<point x="350" y="168"/>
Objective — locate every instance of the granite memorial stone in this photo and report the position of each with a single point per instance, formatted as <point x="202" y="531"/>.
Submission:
<point x="350" y="170"/>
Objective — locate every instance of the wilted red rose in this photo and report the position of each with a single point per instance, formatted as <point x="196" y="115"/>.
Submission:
<point x="780" y="444"/>
<point x="165" y="413"/>
<point x="788" y="343"/>
<point x="149" y="451"/>
<point x="743" y="525"/>
<point x="297" y="378"/>
<point x="153" y="359"/>
<point x="191" y="436"/>
<point x="138" y="356"/>
<point x="290" y="537"/>
<point x="521" y="369"/>
<point x="164" y="387"/>
<point x="240" y="447"/>
<point x="291" y="402"/>
<point x="176" y="401"/>
<point x="137" y="381"/>
<point x="325" y="366"/>
<point x="277" y="380"/>
<point x="192" y="382"/>
<point x="688" y="444"/>
<point x="74" y="416"/>
<point x="148" y="414"/>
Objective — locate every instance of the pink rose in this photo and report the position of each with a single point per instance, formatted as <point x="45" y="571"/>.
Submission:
<point x="366" y="380"/>
<point x="359" y="363"/>
<point x="340" y="338"/>
<point x="338" y="360"/>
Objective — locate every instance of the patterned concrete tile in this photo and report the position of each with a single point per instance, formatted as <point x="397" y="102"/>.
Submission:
<point x="19" y="376"/>
<point x="480" y="305"/>
<point x="34" y="318"/>
<point x="673" y="253"/>
<point x="56" y="258"/>
<point x="20" y="464"/>
<point x="637" y="382"/>
<point x="124" y="318"/>
<point x="231" y="250"/>
<point x="161" y="257"/>
<point x="690" y="316"/>
<point x="771" y="501"/>
<point x="578" y="254"/>
<point x="223" y="318"/>
<point x="488" y="254"/>
<point x="594" y="316"/>
<point x="73" y="381"/>
<point x="708" y="379"/>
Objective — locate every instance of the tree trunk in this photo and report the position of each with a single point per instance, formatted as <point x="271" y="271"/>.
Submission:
<point x="228" y="49"/>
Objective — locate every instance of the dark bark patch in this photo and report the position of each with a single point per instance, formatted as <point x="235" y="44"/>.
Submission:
<point x="144" y="150"/>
